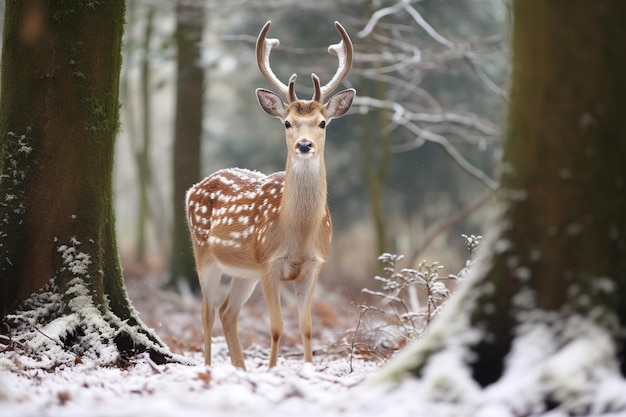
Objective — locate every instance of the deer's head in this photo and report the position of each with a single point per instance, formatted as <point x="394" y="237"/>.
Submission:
<point x="305" y="120"/>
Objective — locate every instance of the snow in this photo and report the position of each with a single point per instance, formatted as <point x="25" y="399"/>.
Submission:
<point x="39" y="377"/>
<point x="292" y="388"/>
<point x="74" y="261"/>
<point x="565" y="359"/>
<point x="335" y="385"/>
<point x="328" y="387"/>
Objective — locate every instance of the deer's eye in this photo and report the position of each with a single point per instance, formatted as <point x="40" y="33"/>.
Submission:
<point x="322" y="124"/>
<point x="287" y="124"/>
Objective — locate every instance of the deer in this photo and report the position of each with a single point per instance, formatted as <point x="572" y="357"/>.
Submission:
<point x="274" y="228"/>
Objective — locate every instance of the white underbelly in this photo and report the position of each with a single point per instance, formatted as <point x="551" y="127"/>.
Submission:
<point x="244" y="273"/>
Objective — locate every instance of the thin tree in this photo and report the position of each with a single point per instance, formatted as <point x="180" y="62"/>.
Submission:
<point x="59" y="116"/>
<point x="190" y="18"/>
<point x="144" y="169"/>
<point x="552" y="280"/>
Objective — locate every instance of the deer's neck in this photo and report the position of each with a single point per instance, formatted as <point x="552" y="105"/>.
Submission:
<point x="303" y="202"/>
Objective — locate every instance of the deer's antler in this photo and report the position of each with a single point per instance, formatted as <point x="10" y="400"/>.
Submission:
<point x="263" y="49"/>
<point x="343" y="51"/>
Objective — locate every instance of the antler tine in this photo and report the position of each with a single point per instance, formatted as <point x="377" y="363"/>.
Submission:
<point x="343" y="51"/>
<point x="317" y="94"/>
<point x="292" y="88"/>
<point x="263" y="49"/>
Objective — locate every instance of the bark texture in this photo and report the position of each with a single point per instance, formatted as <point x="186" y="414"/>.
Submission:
<point x="59" y="116"/>
<point x="556" y="257"/>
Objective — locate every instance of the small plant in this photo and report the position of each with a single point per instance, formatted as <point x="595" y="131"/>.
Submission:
<point x="471" y="244"/>
<point x="400" y="289"/>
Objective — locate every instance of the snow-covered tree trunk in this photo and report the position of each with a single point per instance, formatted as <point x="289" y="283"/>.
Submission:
<point x="544" y="310"/>
<point x="59" y="115"/>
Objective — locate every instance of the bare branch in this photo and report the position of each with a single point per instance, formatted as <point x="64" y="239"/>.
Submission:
<point x="407" y="120"/>
<point x="422" y="134"/>
<point x="482" y="76"/>
<point x="379" y="14"/>
<point x="402" y="114"/>
<point x="428" y="28"/>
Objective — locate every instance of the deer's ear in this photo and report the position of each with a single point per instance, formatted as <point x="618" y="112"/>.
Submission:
<point x="271" y="103"/>
<point x="339" y="104"/>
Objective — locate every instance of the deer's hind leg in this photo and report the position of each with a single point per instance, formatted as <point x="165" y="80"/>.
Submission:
<point x="210" y="275"/>
<point x="240" y="291"/>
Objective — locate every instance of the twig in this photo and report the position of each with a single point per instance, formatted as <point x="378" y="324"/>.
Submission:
<point x="50" y="338"/>
<point x="362" y="311"/>
<point x="6" y="340"/>
<point x="489" y="83"/>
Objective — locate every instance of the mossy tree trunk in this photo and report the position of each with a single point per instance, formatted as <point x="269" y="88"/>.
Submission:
<point x="190" y="17"/>
<point x="59" y="116"/>
<point x="552" y="279"/>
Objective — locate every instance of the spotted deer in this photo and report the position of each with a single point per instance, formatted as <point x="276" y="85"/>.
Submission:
<point x="271" y="228"/>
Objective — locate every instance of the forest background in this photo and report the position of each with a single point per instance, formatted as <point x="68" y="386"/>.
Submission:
<point x="538" y="324"/>
<point x="409" y="170"/>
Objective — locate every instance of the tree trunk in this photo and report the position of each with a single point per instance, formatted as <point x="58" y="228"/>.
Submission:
<point x="144" y="169"/>
<point x="59" y="115"/>
<point x="188" y="132"/>
<point x="376" y="151"/>
<point x="552" y="279"/>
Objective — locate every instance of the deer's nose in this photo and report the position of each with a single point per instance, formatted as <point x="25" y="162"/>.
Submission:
<point x="304" y="146"/>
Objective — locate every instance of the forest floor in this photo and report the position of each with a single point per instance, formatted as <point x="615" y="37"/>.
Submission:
<point x="338" y="384"/>
<point x="327" y="387"/>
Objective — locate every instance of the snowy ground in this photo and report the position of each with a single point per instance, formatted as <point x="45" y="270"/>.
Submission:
<point x="333" y="386"/>
<point x="190" y="390"/>
<point x="292" y="388"/>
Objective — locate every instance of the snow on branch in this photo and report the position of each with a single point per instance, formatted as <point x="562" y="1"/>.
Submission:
<point x="393" y="54"/>
<point x="401" y="114"/>
<point x="402" y="117"/>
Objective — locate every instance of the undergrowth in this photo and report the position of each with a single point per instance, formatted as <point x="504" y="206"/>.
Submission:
<point x="408" y="300"/>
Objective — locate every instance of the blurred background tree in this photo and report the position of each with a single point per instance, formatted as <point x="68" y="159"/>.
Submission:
<point x="190" y="86"/>
<point x="407" y="170"/>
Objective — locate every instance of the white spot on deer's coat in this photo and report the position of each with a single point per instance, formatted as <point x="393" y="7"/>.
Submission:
<point x="248" y="231"/>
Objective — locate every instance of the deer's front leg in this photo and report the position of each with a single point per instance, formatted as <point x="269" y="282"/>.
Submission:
<point x="270" y="283"/>
<point x="304" y="287"/>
